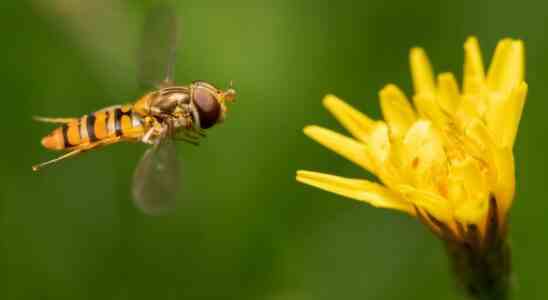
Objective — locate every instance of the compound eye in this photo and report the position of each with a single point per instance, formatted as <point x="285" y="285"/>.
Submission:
<point x="208" y="107"/>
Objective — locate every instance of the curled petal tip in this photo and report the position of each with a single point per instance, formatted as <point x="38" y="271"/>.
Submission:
<point x="416" y="51"/>
<point x="330" y="98"/>
<point x="332" y="102"/>
<point x="389" y="89"/>
<point x="310" y="129"/>
<point x="357" y="123"/>
<point x="421" y="71"/>
<point x="471" y="39"/>
<point x="303" y="173"/>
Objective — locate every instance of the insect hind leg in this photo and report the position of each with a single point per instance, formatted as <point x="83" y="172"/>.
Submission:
<point x="49" y="162"/>
<point x="54" y="120"/>
<point x="77" y="151"/>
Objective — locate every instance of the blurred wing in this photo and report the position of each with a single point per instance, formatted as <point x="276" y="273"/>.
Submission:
<point x="158" y="47"/>
<point x="157" y="178"/>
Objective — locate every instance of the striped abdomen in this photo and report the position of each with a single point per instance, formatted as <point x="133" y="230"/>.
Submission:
<point x="109" y="123"/>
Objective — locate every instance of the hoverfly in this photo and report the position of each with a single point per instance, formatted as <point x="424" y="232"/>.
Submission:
<point x="170" y="112"/>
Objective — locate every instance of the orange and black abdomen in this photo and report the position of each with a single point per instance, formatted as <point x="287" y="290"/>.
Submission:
<point x="110" y="123"/>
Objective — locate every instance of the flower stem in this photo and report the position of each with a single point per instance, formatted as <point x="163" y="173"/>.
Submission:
<point x="482" y="262"/>
<point x="484" y="274"/>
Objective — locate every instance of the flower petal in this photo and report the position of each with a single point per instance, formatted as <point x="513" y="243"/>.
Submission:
<point x="507" y="66"/>
<point x="448" y="93"/>
<point x="342" y="145"/>
<point x="378" y="143"/>
<point x="479" y="143"/>
<point x="504" y="115"/>
<point x="474" y="75"/>
<point x="397" y="110"/>
<point x="499" y="163"/>
<point x="386" y="158"/>
<point x="472" y="208"/>
<point x="421" y="71"/>
<point x="429" y="109"/>
<point x="471" y="107"/>
<point x="362" y="190"/>
<point x="506" y="181"/>
<point x="434" y="204"/>
<point x="358" y="124"/>
<point x="423" y="156"/>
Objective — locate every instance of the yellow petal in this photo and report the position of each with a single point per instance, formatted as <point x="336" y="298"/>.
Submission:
<point x="429" y="108"/>
<point x="480" y="144"/>
<point x="378" y="144"/>
<point x="471" y="107"/>
<point x="498" y="63"/>
<point x="474" y="75"/>
<point x="362" y="190"/>
<point x="397" y="110"/>
<point x="472" y="208"/>
<point x="342" y="145"/>
<point x="448" y="93"/>
<point x="500" y="165"/>
<point x="434" y="204"/>
<point x="504" y="115"/>
<point x="507" y="66"/>
<point x="354" y="121"/>
<point x="474" y="181"/>
<point x="506" y="181"/>
<point x="380" y="149"/>
<point x="421" y="71"/>
<point x="423" y="156"/>
<point x="455" y="191"/>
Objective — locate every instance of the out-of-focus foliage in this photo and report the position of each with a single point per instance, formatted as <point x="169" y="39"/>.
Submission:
<point x="244" y="229"/>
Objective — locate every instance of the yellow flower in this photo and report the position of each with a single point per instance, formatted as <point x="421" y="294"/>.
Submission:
<point x="447" y="159"/>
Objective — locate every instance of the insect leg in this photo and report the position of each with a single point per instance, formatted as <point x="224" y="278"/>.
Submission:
<point x="81" y="149"/>
<point x="188" y="136"/>
<point x="191" y="134"/>
<point x="49" y="162"/>
<point x="146" y="137"/>
<point x="54" y="120"/>
<point x="199" y="131"/>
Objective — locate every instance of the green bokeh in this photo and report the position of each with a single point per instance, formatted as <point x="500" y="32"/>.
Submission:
<point x="245" y="229"/>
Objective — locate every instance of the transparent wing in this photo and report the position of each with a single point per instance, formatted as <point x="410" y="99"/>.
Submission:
<point x="156" y="179"/>
<point x="158" y="47"/>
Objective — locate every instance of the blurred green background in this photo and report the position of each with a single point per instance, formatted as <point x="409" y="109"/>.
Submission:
<point x="245" y="229"/>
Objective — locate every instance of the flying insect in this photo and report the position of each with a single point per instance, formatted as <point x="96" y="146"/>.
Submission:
<point x="166" y="114"/>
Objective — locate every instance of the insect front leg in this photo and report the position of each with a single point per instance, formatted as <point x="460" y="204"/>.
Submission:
<point x="193" y="134"/>
<point x="199" y="131"/>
